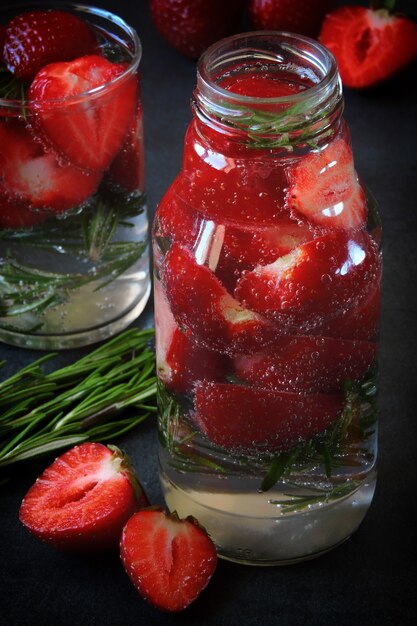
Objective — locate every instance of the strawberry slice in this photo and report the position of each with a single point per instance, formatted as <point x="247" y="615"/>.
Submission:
<point x="181" y="362"/>
<point x="201" y="304"/>
<point x="314" y="282"/>
<point x="236" y="417"/>
<point x="324" y="188"/>
<point x="90" y="131"/>
<point x="82" y="501"/>
<point x="36" y="38"/>
<point x="35" y="177"/>
<point x="310" y="364"/>
<point x="169" y="560"/>
<point x="369" y="46"/>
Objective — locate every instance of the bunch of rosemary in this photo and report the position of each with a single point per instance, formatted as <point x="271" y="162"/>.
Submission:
<point x="82" y="401"/>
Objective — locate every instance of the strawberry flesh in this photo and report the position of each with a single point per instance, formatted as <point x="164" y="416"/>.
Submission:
<point x="170" y="561"/>
<point x="369" y="46"/>
<point x="325" y="188"/>
<point x="34" y="39"/>
<point x="201" y="304"/>
<point x="31" y="175"/>
<point x="238" y="417"/>
<point x="82" y="501"/>
<point x="87" y="133"/>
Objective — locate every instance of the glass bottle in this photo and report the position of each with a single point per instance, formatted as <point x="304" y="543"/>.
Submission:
<point x="267" y="284"/>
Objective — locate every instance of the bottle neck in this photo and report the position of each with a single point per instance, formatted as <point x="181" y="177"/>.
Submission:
<point x="298" y="103"/>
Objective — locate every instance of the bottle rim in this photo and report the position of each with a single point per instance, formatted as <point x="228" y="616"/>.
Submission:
<point x="133" y="42"/>
<point x="244" y="43"/>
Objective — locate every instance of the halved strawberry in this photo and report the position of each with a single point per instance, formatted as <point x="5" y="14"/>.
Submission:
<point x="88" y="131"/>
<point x="306" y="363"/>
<point x="201" y="304"/>
<point x="37" y="38"/>
<point x="314" y="282"/>
<point x="14" y="214"/>
<point x="324" y="188"/>
<point x="369" y="46"/>
<point x="235" y="416"/>
<point x="169" y="560"/>
<point x="33" y="176"/>
<point x="82" y="501"/>
<point x="180" y="362"/>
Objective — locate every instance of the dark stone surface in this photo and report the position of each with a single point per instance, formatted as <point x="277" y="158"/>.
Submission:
<point x="368" y="580"/>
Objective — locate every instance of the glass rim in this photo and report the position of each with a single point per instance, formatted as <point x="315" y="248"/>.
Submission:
<point x="328" y="64"/>
<point x="75" y="8"/>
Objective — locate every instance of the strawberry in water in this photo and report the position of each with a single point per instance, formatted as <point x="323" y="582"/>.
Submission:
<point x="181" y="362"/>
<point x="294" y="16"/>
<point x="190" y="26"/>
<point x="306" y="363"/>
<point x="15" y="214"/>
<point x="324" y="188"/>
<point x="314" y="282"/>
<point x="235" y="416"/>
<point x="29" y="174"/>
<point x="369" y="45"/>
<point x="169" y="560"/>
<point x="82" y="501"/>
<point x="34" y="39"/>
<point x="127" y="170"/>
<point x="201" y="304"/>
<point x="89" y="134"/>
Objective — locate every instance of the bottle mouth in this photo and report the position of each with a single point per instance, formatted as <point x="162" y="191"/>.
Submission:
<point x="102" y="21"/>
<point x="269" y="121"/>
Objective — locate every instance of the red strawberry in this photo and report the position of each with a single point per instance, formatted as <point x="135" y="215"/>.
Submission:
<point x="30" y="175"/>
<point x="295" y="16"/>
<point x="192" y="25"/>
<point x="40" y="37"/>
<point x="369" y="46"/>
<point x="181" y="362"/>
<point x="127" y="170"/>
<point x="325" y="188"/>
<point x="311" y="364"/>
<point x="202" y="305"/>
<point x="169" y="560"/>
<point x="2" y="40"/>
<point x="314" y="282"/>
<point x="14" y="214"/>
<point x="89" y="132"/>
<point x="235" y="416"/>
<point x="82" y="501"/>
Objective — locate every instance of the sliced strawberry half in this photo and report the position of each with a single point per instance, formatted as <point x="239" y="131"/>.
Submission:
<point x="82" y="501"/>
<point x="169" y="560"/>
<point x="238" y="417"/>
<point x="324" y="188"/>
<point x="90" y="131"/>
<point x="201" y="304"/>
<point x="369" y="46"/>
<point x="181" y="362"/>
<point x="314" y="282"/>
<point x="30" y="175"/>
<point x="310" y="364"/>
<point x="36" y="38"/>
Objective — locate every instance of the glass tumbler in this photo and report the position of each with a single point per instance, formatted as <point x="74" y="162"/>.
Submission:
<point x="267" y="284"/>
<point x="74" y="254"/>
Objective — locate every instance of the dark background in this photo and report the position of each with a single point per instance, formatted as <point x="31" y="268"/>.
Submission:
<point x="368" y="580"/>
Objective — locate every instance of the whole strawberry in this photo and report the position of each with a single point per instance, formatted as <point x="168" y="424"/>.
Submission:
<point x="370" y="45"/>
<point x="295" y="16"/>
<point x="193" y="25"/>
<point x="34" y="39"/>
<point x="82" y="501"/>
<point x="169" y="560"/>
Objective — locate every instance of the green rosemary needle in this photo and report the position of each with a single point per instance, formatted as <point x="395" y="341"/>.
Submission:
<point x="99" y="397"/>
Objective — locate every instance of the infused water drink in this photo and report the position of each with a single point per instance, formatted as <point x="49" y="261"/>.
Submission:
<point x="74" y="260"/>
<point x="267" y="284"/>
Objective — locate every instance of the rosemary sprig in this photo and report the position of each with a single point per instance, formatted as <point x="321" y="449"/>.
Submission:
<point x="12" y="88"/>
<point x="82" y="401"/>
<point x="294" y="503"/>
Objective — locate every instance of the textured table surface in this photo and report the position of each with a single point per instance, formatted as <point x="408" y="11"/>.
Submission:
<point x="368" y="580"/>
